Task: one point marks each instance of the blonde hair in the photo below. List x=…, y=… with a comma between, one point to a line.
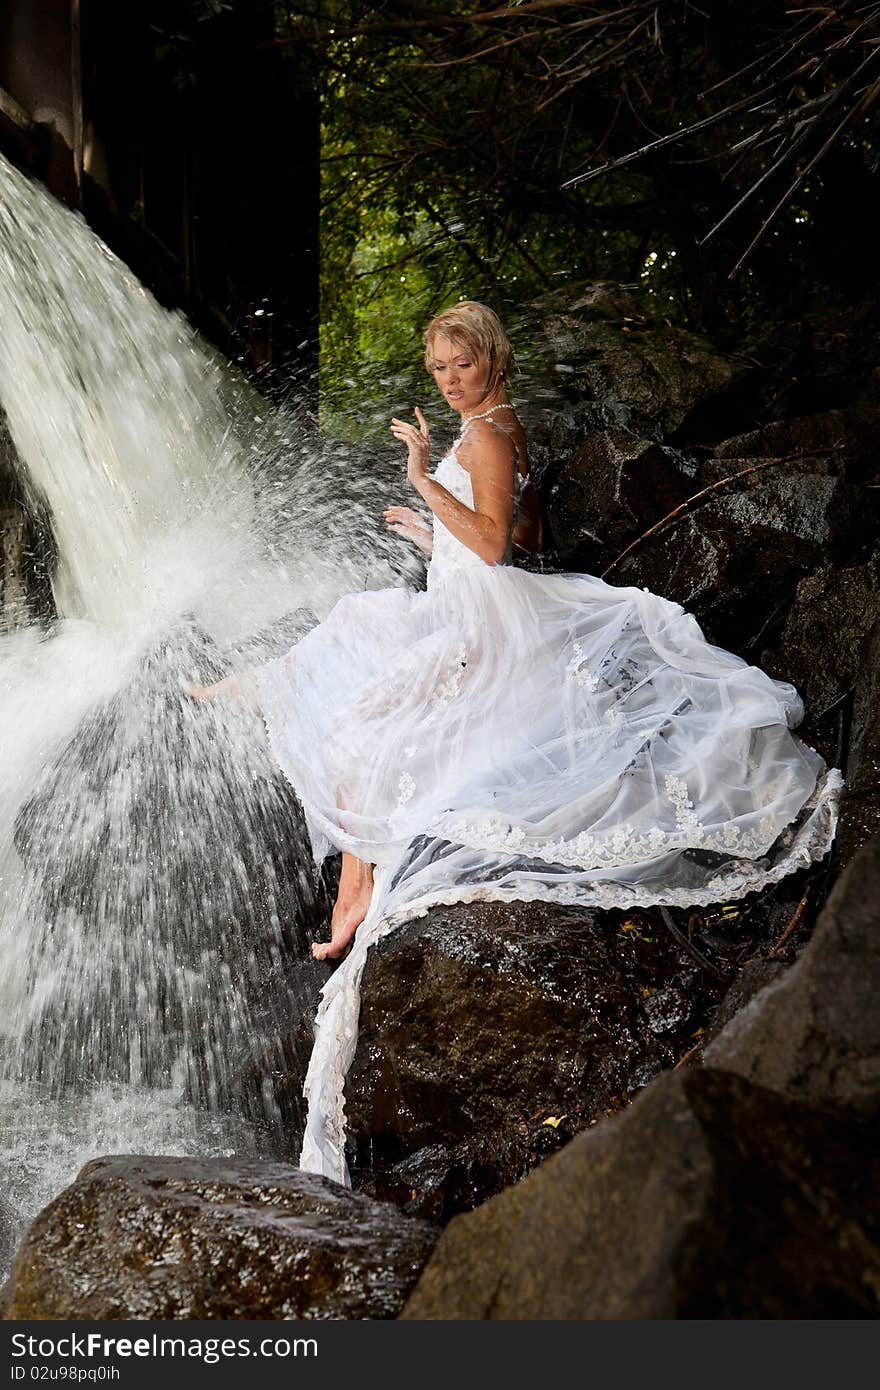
x=476, y=328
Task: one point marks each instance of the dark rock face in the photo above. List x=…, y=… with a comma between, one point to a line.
x=708, y=1198
x=754, y=976
x=26, y=546
x=860, y=806
x=745, y=1189
x=627, y=442
x=486, y=1021
x=838, y=441
x=741, y=553
x=606, y=487
x=821, y=646
x=160, y=1238
x=645, y=377
x=814, y=1034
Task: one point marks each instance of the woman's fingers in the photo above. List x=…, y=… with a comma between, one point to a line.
x=422, y=431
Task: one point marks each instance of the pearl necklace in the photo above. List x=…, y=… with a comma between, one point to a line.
x=505, y=405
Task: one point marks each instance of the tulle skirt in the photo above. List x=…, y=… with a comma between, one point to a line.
x=516, y=735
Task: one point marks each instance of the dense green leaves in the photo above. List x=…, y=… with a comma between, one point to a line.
x=455, y=136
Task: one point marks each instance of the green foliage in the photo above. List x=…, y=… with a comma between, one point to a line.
x=454, y=135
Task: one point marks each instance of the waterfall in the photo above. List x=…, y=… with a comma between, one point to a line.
x=156, y=890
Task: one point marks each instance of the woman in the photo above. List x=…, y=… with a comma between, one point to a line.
x=512, y=735
x=549, y=733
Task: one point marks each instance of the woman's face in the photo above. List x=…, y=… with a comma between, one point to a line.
x=462, y=377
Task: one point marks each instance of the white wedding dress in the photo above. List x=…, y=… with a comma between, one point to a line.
x=513, y=735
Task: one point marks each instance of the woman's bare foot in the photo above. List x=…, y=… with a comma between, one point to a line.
x=206, y=693
x=352, y=905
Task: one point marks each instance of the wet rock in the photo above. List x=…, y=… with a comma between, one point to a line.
x=754, y=976
x=10, y=1231
x=648, y=377
x=842, y=442
x=736, y=559
x=821, y=646
x=159, y=1238
x=708, y=1198
x=441, y=1179
x=601, y=300
x=265, y=1067
x=27, y=551
x=483, y=1021
x=814, y=1034
x=607, y=486
x=860, y=804
x=13, y=568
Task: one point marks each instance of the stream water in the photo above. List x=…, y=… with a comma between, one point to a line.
x=153, y=877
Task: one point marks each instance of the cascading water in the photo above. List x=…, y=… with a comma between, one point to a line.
x=155, y=888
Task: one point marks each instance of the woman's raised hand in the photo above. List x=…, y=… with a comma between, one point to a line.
x=409, y=524
x=417, y=441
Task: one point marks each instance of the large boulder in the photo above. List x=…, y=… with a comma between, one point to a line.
x=159, y=1238
x=821, y=646
x=605, y=486
x=647, y=376
x=708, y=1198
x=814, y=1034
x=490, y=1033
x=746, y=1188
x=860, y=804
x=831, y=441
x=735, y=560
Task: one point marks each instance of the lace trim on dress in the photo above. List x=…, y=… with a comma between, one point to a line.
x=336, y=1025
x=623, y=845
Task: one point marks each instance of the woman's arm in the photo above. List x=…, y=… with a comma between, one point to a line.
x=407, y=523
x=488, y=456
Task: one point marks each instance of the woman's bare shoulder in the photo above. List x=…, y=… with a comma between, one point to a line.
x=486, y=444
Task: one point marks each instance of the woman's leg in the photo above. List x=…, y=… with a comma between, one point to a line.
x=356, y=877
x=350, y=909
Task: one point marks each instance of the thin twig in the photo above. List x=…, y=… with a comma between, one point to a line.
x=692, y=950
x=691, y=501
x=779, y=948
x=788, y=152
x=673, y=135
x=774, y=614
x=689, y=1055
x=859, y=109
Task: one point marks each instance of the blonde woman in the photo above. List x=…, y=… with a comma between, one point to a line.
x=508, y=734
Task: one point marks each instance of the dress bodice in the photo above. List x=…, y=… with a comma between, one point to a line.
x=449, y=553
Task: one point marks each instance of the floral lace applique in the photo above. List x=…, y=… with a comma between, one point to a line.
x=405, y=788
x=450, y=686
x=577, y=668
x=685, y=816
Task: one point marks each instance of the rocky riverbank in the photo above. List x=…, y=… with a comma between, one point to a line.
x=663, y=1114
